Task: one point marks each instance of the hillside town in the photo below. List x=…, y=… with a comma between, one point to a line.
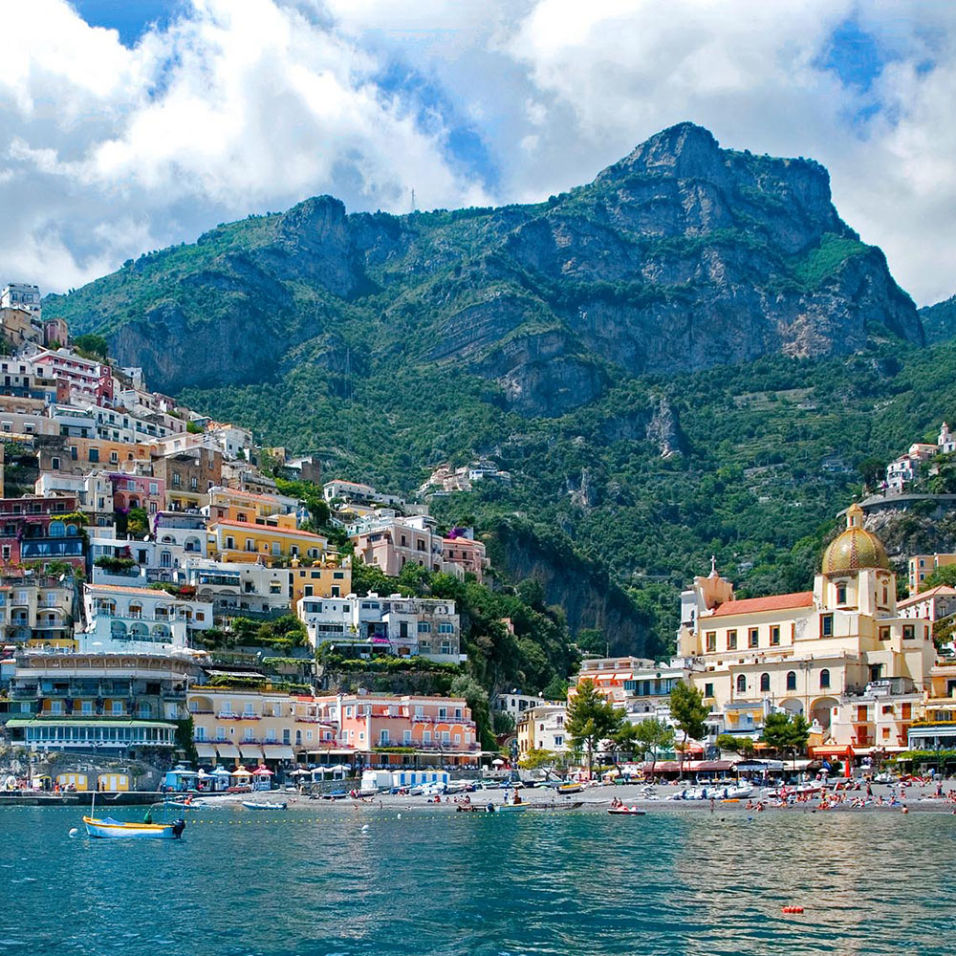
x=136, y=534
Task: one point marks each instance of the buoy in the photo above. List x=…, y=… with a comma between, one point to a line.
x=792, y=909
x=365, y=828
x=399, y=816
x=74, y=831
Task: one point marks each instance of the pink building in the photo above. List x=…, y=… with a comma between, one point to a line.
x=372, y=724
x=138, y=491
x=467, y=553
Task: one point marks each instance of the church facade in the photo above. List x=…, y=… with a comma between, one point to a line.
x=842, y=655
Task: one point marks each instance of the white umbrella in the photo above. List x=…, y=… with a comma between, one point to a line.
x=497, y=762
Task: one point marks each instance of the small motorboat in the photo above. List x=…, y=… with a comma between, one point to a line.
x=108, y=828
x=510, y=807
x=570, y=788
x=253, y=805
x=624, y=811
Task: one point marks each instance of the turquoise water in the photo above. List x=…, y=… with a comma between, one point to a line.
x=313, y=882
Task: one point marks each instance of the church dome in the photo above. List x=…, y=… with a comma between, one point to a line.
x=855, y=548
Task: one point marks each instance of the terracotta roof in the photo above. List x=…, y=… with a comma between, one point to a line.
x=775, y=602
x=941, y=590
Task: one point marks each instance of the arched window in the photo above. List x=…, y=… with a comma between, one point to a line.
x=764, y=683
x=824, y=679
x=57, y=529
x=791, y=680
x=741, y=683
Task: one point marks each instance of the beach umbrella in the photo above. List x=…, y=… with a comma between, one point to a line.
x=262, y=772
x=240, y=772
x=497, y=762
x=221, y=772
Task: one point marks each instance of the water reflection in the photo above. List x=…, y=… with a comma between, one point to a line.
x=333, y=880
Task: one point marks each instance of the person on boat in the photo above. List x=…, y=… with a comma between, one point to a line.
x=517, y=798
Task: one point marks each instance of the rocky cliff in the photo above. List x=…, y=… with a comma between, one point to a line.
x=679, y=257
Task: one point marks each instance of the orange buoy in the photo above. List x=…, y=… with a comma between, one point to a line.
x=792, y=909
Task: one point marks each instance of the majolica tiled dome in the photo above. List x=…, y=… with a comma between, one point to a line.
x=855, y=548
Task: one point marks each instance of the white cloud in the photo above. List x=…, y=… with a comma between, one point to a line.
x=242, y=107
x=234, y=108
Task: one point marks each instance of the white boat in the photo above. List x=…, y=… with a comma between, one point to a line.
x=627, y=811
x=252, y=805
x=108, y=828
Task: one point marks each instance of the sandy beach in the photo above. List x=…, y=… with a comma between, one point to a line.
x=917, y=797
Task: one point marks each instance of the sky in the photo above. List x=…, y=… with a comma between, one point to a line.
x=130, y=125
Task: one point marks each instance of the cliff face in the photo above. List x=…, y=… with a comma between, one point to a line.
x=679, y=257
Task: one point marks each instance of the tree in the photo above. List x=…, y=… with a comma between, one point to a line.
x=591, y=718
x=653, y=736
x=689, y=713
x=944, y=575
x=95, y=346
x=786, y=733
x=556, y=689
x=536, y=759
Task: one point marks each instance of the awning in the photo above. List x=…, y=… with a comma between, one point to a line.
x=227, y=750
x=205, y=751
x=250, y=751
x=278, y=752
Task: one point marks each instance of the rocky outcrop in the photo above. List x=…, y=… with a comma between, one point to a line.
x=939, y=321
x=582, y=589
x=680, y=257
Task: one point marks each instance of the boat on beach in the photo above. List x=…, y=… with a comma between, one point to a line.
x=570, y=788
x=254, y=805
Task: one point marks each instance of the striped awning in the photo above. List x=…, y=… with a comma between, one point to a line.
x=250, y=751
x=227, y=750
x=205, y=751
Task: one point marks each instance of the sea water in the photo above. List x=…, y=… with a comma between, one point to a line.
x=340, y=880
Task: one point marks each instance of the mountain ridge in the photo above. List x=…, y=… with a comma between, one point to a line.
x=678, y=257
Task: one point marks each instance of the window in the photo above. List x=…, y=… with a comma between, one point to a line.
x=884, y=633
x=764, y=683
x=791, y=680
x=55, y=464
x=708, y=690
x=909, y=632
x=731, y=640
x=753, y=637
x=424, y=627
x=841, y=594
x=826, y=625
x=741, y=683
x=775, y=636
x=94, y=454
x=824, y=679
x=711, y=641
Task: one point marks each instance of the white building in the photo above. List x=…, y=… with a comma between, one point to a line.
x=140, y=619
x=20, y=295
x=405, y=626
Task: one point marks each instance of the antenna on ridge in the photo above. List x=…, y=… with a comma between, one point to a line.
x=413, y=199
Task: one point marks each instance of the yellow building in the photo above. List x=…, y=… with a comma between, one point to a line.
x=272, y=542
x=320, y=579
x=839, y=654
x=231, y=504
x=251, y=726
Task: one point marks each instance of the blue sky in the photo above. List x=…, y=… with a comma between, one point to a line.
x=128, y=126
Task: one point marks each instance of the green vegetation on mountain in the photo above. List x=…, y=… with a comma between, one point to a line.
x=691, y=355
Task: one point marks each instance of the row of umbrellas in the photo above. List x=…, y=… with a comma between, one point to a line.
x=238, y=772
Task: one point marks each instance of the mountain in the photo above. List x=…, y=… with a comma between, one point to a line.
x=689, y=356
x=939, y=321
x=680, y=257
